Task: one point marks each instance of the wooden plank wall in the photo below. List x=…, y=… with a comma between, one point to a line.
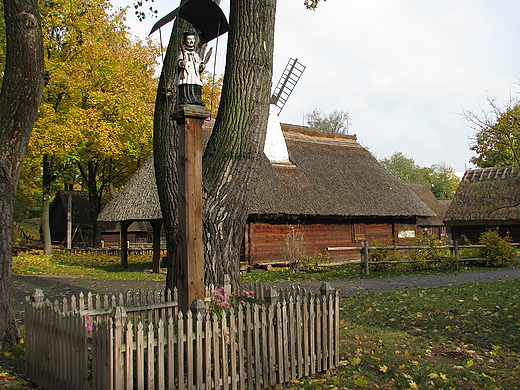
x=264, y=240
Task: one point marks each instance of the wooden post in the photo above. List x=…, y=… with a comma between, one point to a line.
x=156, y=225
x=456, y=253
x=123, y=243
x=190, y=280
x=69, y=220
x=364, y=258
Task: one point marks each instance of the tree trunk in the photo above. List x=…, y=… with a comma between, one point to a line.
x=231, y=159
x=46, y=204
x=165, y=138
x=94, y=197
x=22, y=86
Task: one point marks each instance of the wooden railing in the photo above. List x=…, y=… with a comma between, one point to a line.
x=276, y=338
x=365, y=249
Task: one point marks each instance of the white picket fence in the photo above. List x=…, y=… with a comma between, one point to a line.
x=115, y=344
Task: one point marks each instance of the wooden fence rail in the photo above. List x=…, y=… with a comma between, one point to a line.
x=93, y=342
x=365, y=249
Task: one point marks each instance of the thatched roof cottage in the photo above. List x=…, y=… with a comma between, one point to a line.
x=326, y=186
x=486, y=198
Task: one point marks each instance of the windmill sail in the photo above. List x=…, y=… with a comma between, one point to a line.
x=290, y=76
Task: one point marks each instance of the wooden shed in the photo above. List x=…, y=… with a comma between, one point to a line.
x=138, y=201
x=69, y=217
x=328, y=185
x=334, y=191
x=434, y=225
x=487, y=198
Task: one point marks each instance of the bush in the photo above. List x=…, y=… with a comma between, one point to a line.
x=498, y=249
x=311, y=264
x=293, y=247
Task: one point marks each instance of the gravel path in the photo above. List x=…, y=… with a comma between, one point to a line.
x=55, y=286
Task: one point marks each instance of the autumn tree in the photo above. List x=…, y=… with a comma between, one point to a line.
x=337, y=121
x=94, y=124
x=439, y=178
x=211, y=91
x=22, y=83
x=497, y=138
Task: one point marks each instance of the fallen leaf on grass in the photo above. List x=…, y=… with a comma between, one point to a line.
x=354, y=360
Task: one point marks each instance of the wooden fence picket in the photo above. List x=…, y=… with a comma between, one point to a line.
x=136, y=343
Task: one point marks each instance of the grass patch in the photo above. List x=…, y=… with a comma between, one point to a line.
x=90, y=266
x=354, y=271
x=460, y=337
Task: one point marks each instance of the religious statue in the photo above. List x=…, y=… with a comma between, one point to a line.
x=190, y=67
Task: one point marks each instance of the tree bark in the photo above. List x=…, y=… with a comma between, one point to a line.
x=231, y=159
x=232, y=154
x=20, y=95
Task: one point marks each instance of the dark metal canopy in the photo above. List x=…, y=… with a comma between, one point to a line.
x=205, y=15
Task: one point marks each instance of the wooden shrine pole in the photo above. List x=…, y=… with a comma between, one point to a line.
x=190, y=281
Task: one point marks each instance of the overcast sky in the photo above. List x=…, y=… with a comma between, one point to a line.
x=404, y=69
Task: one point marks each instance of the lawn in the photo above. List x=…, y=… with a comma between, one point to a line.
x=456, y=337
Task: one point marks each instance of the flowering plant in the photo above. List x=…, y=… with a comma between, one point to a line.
x=222, y=301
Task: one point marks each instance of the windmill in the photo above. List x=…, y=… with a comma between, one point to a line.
x=288, y=80
x=275, y=148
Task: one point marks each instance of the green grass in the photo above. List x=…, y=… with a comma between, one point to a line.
x=86, y=266
x=459, y=337
x=354, y=271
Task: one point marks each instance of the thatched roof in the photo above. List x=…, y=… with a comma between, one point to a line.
x=438, y=206
x=138, y=200
x=330, y=175
x=486, y=196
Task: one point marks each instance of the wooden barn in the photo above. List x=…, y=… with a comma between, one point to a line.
x=487, y=198
x=434, y=225
x=334, y=191
x=328, y=187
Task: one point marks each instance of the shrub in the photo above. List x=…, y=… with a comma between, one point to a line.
x=498, y=249
x=380, y=255
x=311, y=264
x=293, y=247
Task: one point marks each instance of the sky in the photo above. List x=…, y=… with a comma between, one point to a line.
x=405, y=70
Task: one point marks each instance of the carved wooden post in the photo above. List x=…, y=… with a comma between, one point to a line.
x=190, y=279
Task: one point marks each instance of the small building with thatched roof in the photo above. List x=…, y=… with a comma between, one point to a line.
x=325, y=188
x=487, y=198
x=434, y=225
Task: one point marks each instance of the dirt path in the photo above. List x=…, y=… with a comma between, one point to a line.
x=55, y=286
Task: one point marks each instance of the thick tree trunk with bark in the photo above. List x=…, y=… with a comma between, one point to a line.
x=22, y=86
x=231, y=157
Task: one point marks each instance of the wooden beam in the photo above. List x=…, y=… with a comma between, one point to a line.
x=190, y=280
